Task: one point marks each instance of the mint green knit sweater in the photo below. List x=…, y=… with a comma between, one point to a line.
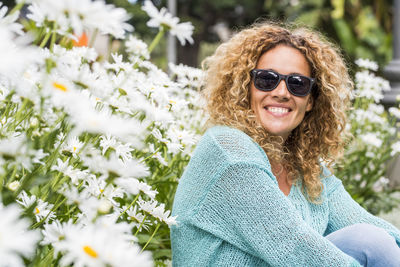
x=231, y=211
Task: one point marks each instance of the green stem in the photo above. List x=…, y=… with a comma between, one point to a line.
x=14, y=172
x=45, y=39
x=9, y=105
x=17, y=7
x=156, y=40
x=19, y=112
x=150, y=156
x=93, y=38
x=141, y=224
x=155, y=231
x=53, y=36
x=130, y=205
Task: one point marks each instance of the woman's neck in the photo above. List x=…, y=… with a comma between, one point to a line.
x=280, y=172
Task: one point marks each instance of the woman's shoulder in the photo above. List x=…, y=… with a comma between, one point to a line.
x=234, y=144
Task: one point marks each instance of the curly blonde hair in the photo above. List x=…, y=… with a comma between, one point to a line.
x=321, y=134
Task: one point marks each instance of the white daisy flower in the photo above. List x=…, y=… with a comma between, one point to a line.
x=15, y=238
x=42, y=209
x=146, y=189
x=147, y=206
x=74, y=197
x=183, y=31
x=55, y=232
x=38, y=155
x=187, y=76
x=171, y=220
x=129, y=185
x=107, y=142
x=13, y=145
x=124, y=151
x=157, y=155
x=10, y=20
x=93, y=206
x=73, y=145
x=137, y=47
x=81, y=15
x=137, y=219
x=133, y=186
x=15, y=55
x=100, y=245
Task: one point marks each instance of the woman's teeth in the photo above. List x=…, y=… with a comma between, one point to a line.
x=278, y=110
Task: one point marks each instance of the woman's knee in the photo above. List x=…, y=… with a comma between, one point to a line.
x=369, y=244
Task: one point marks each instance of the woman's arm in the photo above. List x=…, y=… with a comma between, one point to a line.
x=245, y=208
x=344, y=211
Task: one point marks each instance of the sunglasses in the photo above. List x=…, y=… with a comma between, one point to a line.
x=268, y=80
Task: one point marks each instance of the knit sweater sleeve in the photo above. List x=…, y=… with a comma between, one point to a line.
x=344, y=211
x=245, y=208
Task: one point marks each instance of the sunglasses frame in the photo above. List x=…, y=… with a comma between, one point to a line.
x=254, y=73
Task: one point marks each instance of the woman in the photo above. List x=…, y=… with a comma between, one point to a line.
x=256, y=191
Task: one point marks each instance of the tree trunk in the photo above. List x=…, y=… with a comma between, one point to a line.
x=188, y=54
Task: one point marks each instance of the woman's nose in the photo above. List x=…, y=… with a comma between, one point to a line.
x=281, y=90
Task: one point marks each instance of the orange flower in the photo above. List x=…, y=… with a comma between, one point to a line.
x=82, y=40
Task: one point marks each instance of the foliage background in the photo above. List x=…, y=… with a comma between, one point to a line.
x=362, y=28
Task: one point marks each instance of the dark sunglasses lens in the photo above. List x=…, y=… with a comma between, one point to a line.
x=266, y=80
x=299, y=85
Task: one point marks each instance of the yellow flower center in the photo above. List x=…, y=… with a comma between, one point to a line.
x=75, y=148
x=91, y=252
x=37, y=210
x=60, y=87
x=172, y=102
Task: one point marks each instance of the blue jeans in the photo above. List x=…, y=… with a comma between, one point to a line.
x=368, y=244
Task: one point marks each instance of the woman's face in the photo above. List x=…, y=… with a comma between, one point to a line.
x=278, y=111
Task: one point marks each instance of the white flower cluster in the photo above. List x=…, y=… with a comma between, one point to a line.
x=370, y=86
x=87, y=147
x=375, y=139
x=367, y=64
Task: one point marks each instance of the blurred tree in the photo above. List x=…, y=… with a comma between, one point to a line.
x=361, y=27
x=207, y=14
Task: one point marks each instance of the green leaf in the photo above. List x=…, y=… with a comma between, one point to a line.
x=338, y=9
x=345, y=34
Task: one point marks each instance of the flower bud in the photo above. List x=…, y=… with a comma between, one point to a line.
x=13, y=185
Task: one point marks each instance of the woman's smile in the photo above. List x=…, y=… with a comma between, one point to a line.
x=278, y=110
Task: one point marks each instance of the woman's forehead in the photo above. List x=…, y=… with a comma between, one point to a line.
x=285, y=60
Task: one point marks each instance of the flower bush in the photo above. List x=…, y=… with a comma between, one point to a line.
x=374, y=142
x=91, y=150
